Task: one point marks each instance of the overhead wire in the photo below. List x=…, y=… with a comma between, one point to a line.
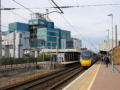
x=95, y=5
x=76, y=6
x=18, y=15
x=23, y=6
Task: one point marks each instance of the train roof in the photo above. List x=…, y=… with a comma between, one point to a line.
x=88, y=51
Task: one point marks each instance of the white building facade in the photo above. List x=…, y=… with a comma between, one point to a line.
x=15, y=43
x=77, y=44
x=63, y=43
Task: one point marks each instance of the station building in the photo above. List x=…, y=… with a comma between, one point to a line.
x=106, y=46
x=63, y=54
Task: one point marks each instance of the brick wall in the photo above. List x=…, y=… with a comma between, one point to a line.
x=116, y=55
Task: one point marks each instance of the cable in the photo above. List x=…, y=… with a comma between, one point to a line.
x=17, y=15
x=23, y=6
x=77, y=6
x=28, y=8
x=57, y=7
x=96, y=5
x=52, y=5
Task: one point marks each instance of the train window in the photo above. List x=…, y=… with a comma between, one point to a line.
x=86, y=55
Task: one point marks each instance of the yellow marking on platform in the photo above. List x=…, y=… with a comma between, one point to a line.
x=89, y=87
x=83, y=82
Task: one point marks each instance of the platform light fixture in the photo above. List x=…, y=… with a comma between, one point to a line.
x=111, y=15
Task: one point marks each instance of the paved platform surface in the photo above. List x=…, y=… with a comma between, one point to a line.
x=106, y=79
x=97, y=77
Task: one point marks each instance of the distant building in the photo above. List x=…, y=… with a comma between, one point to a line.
x=64, y=54
x=106, y=45
x=66, y=41
x=77, y=44
x=63, y=43
x=21, y=43
x=43, y=33
x=49, y=37
x=18, y=26
x=69, y=44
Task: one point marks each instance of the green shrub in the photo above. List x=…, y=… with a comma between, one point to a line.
x=11, y=61
x=45, y=56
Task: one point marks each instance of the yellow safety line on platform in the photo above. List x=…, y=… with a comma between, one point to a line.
x=76, y=79
x=89, y=87
x=86, y=79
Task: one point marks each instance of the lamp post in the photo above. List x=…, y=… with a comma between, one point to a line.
x=112, y=42
x=108, y=42
x=43, y=50
x=0, y=37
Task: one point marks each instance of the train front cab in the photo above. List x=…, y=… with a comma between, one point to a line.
x=86, y=63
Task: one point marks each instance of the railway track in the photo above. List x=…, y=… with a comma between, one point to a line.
x=49, y=82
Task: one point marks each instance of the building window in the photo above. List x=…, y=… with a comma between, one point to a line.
x=35, y=22
x=20, y=35
x=11, y=46
x=30, y=23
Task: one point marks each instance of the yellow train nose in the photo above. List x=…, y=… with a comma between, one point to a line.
x=86, y=63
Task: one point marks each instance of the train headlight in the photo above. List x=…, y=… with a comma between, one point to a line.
x=81, y=59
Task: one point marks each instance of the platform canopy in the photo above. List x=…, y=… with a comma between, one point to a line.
x=60, y=50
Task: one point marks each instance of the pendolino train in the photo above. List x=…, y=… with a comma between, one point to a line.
x=87, y=58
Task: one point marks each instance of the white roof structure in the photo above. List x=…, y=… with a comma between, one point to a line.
x=107, y=45
x=60, y=50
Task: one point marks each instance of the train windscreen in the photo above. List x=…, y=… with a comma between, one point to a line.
x=86, y=55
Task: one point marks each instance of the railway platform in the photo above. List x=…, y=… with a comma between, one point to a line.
x=97, y=77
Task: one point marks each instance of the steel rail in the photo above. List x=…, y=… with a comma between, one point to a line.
x=41, y=80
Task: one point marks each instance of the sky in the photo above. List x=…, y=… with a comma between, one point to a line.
x=86, y=23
